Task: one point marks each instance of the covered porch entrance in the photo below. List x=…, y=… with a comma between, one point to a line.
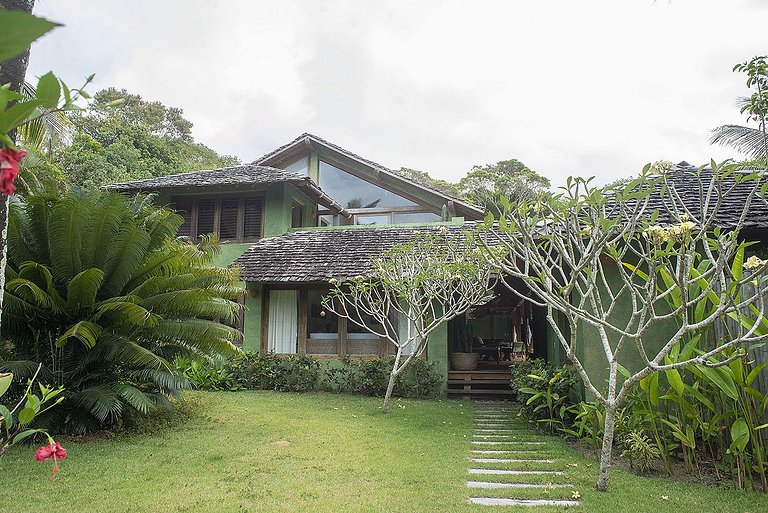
x=505, y=331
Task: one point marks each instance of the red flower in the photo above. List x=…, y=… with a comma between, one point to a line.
x=53, y=450
x=9, y=169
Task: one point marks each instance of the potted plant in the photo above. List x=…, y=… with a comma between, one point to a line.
x=466, y=360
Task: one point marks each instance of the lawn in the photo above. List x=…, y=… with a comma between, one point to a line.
x=284, y=452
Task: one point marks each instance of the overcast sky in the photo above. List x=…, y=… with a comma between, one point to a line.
x=589, y=87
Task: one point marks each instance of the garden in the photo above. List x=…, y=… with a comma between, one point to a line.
x=120, y=365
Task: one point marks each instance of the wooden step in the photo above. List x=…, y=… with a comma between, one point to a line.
x=479, y=375
x=478, y=382
x=481, y=392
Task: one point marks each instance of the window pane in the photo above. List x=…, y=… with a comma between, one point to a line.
x=300, y=166
x=228, y=222
x=184, y=208
x=252, y=221
x=205, y=213
x=321, y=324
x=297, y=216
x=373, y=219
x=354, y=192
x=416, y=217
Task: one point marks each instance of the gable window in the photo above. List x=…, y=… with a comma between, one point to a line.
x=354, y=192
x=231, y=217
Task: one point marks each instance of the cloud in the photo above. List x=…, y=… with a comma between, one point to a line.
x=566, y=87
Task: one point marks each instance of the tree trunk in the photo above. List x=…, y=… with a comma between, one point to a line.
x=392, y=379
x=605, y=452
x=12, y=72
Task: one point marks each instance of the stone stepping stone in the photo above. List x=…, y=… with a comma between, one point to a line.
x=498, y=472
x=491, y=484
x=489, y=435
x=509, y=460
x=497, y=501
x=505, y=442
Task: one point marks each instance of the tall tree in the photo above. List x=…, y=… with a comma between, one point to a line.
x=511, y=179
x=12, y=71
x=135, y=140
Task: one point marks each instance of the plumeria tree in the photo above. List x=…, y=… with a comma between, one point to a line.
x=663, y=253
x=622, y=264
x=412, y=289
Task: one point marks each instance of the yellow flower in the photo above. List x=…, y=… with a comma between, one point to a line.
x=753, y=263
x=575, y=495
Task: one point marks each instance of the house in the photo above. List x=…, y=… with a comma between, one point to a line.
x=311, y=211
x=308, y=212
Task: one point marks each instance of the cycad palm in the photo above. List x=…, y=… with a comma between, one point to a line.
x=99, y=290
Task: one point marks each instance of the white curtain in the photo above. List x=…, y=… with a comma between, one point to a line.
x=282, y=322
x=402, y=333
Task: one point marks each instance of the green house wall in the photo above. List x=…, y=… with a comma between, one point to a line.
x=589, y=348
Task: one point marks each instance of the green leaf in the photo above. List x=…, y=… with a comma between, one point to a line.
x=673, y=376
x=20, y=29
x=17, y=114
x=85, y=331
x=721, y=377
x=48, y=91
x=5, y=413
x=739, y=434
x=6, y=379
x=26, y=434
x=26, y=415
x=750, y=377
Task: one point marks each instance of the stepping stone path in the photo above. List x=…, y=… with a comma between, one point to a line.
x=509, y=458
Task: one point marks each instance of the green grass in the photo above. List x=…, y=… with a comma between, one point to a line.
x=281, y=452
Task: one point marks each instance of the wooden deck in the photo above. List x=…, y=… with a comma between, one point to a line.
x=481, y=383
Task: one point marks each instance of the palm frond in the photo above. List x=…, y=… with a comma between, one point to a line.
x=65, y=234
x=746, y=140
x=125, y=255
x=101, y=401
x=86, y=332
x=83, y=288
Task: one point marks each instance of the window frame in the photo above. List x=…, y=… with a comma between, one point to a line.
x=194, y=199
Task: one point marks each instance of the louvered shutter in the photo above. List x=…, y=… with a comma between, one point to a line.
x=228, y=219
x=184, y=208
x=206, y=209
x=252, y=218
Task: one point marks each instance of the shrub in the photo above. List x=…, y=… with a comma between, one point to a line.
x=548, y=392
x=267, y=371
x=370, y=377
x=207, y=374
x=102, y=294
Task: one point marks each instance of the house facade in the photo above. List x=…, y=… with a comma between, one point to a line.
x=309, y=212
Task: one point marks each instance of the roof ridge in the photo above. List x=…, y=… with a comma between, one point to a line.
x=371, y=163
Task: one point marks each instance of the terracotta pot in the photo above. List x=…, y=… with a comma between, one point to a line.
x=464, y=361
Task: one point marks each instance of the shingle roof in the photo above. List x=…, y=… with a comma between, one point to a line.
x=683, y=181
x=307, y=138
x=247, y=174
x=319, y=255
x=236, y=175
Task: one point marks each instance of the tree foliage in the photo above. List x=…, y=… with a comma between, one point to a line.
x=748, y=140
x=137, y=139
x=511, y=179
x=619, y=270
x=413, y=289
x=101, y=293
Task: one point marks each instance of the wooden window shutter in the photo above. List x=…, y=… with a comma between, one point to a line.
x=206, y=212
x=252, y=218
x=184, y=208
x=228, y=220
